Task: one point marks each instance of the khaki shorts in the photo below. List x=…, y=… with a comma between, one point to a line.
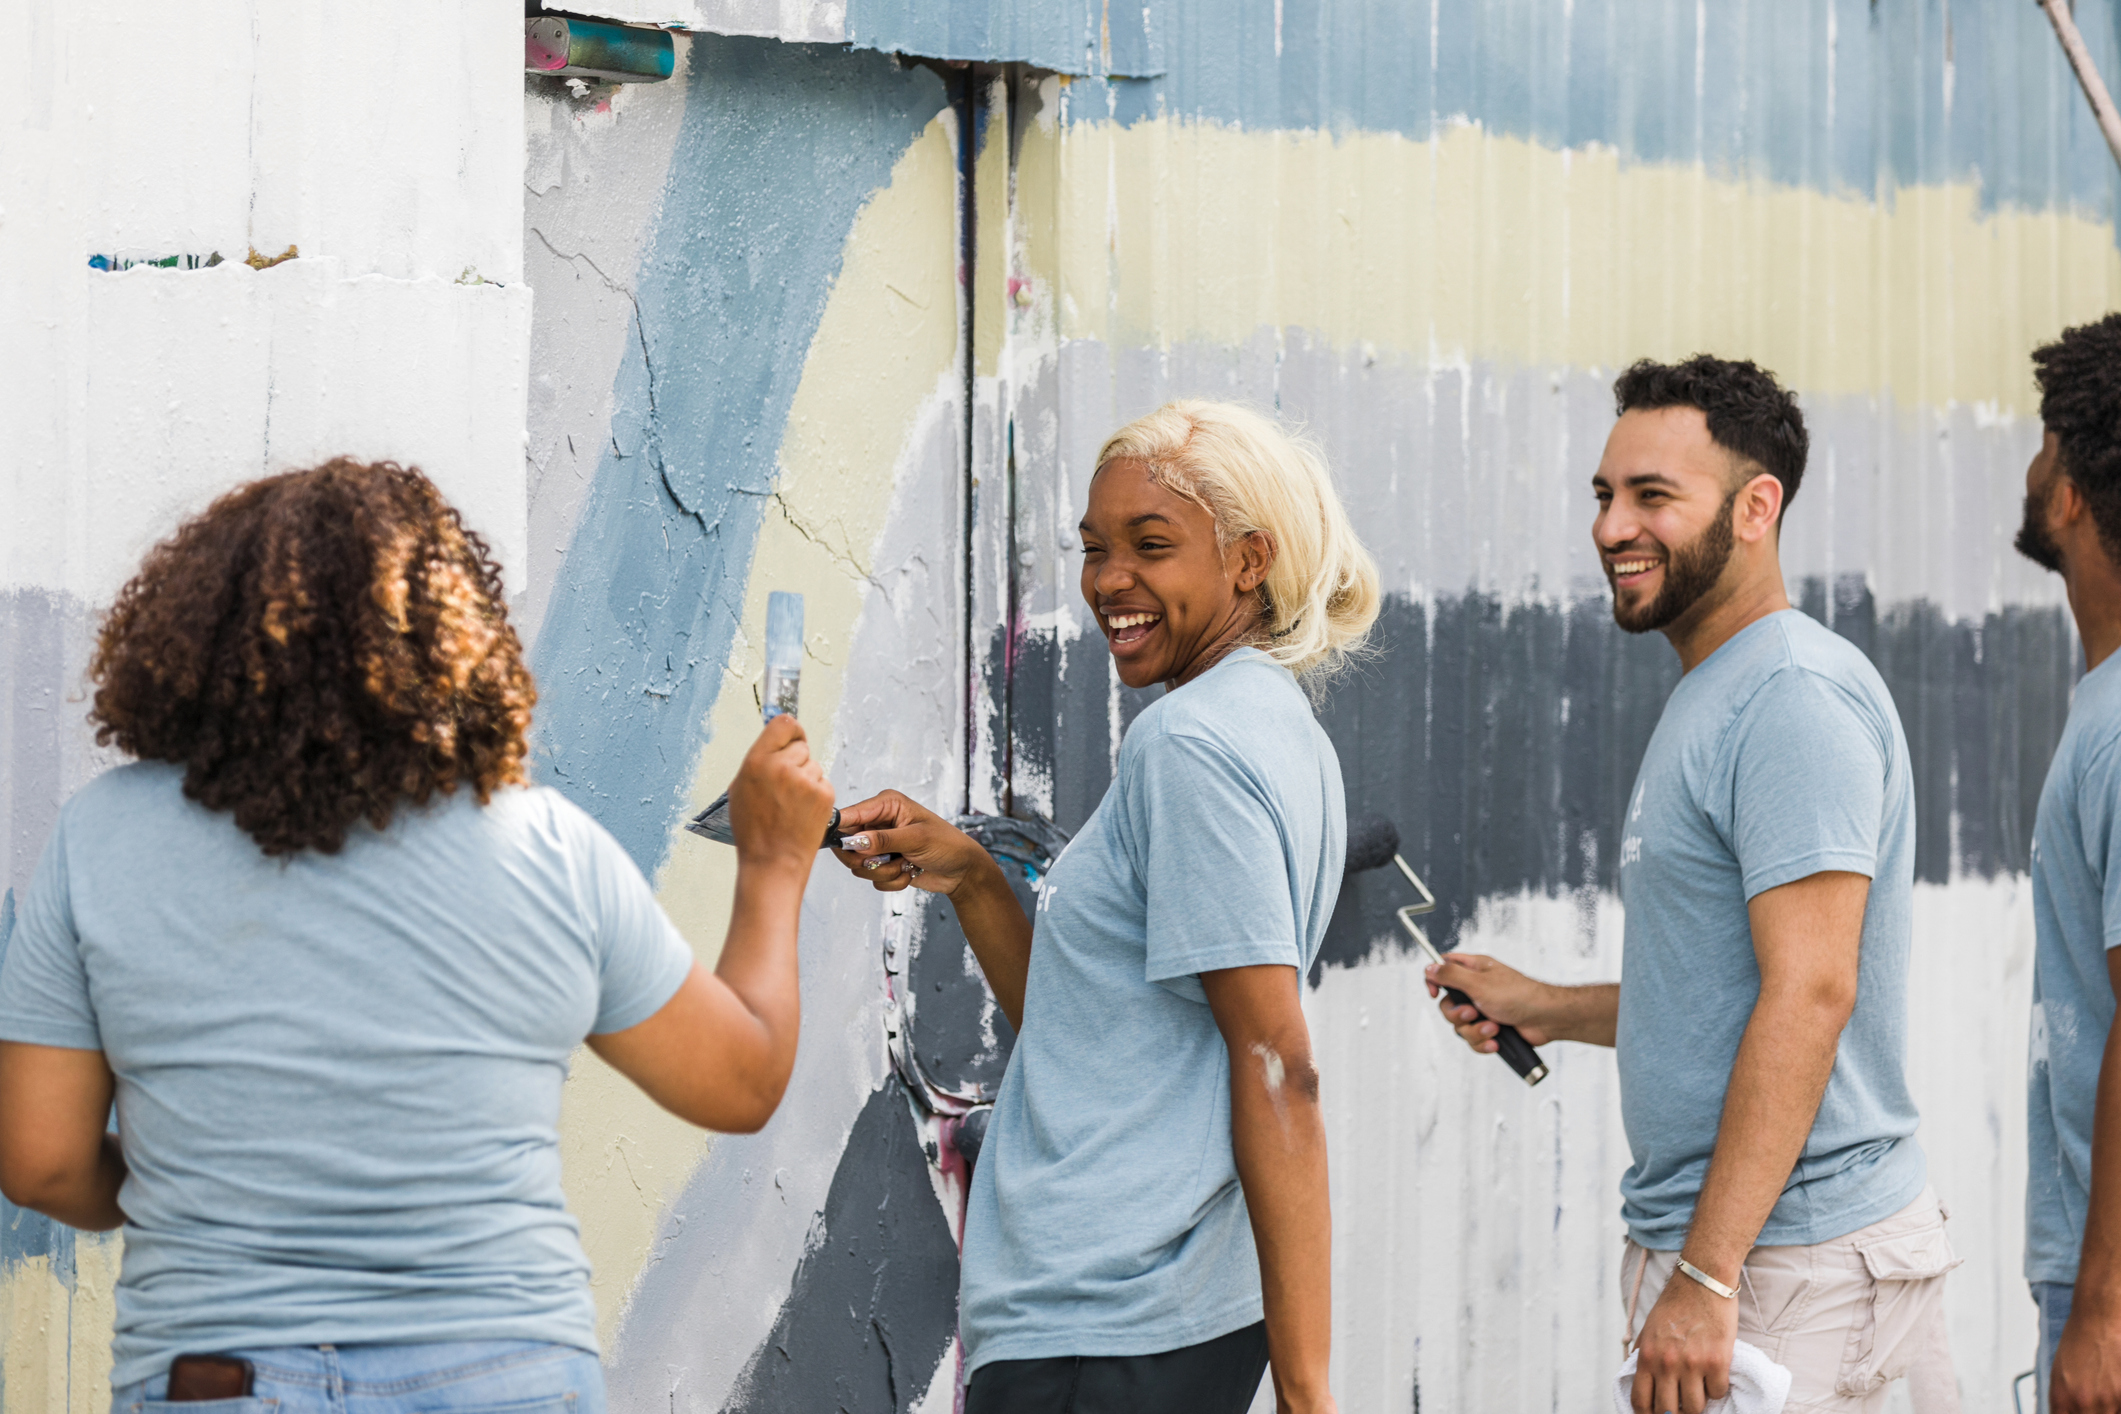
x=1846, y=1317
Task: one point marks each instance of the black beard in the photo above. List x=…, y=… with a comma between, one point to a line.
x=1689, y=572
x=2033, y=541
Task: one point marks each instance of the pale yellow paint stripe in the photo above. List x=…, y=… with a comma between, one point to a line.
x=33, y=1312
x=55, y=1342
x=885, y=344
x=991, y=268
x=97, y=1257
x=1479, y=246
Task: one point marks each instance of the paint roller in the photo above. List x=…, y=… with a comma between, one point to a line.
x=1373, y=842
x=784, y=680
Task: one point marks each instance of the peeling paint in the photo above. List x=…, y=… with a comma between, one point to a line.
x=781, y=146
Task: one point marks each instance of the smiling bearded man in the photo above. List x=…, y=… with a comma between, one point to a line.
x=1767, y=870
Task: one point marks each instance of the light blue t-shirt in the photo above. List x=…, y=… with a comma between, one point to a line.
x=1106, y=1217
x=2076, y=918
x=338, y=1075
x=1778, y=758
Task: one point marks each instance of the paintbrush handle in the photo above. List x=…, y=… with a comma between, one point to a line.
x=1511, y=1045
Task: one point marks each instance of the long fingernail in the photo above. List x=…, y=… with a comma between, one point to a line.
x=855, y=842
x=873, y=863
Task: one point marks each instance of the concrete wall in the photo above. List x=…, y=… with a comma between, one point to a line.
x=811, y=316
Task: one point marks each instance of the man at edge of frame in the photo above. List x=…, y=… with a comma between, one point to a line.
x=2073, y=1130
x=1777, y=1194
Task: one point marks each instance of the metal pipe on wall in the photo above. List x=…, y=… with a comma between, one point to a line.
x=2080, y=61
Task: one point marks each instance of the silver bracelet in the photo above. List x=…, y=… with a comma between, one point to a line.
x=1728, y=1293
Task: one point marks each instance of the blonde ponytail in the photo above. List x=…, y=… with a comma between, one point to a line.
x=1320, y=596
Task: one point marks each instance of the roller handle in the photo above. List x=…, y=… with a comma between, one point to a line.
x=1512, y=1046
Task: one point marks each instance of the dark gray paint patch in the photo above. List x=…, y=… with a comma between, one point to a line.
x=961, y=1038
x=1060, y=691
x=1504, y=742
x=1503, y=739
x=1982, y=704
x=873, y=1304
x=952, y=1006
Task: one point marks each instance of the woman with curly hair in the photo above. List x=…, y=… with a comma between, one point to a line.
x=1149, y=1217
x=331, y=953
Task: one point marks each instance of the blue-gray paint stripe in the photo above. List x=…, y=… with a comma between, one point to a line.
x=780, y=147
x=1067, y=36
x=1848, y=97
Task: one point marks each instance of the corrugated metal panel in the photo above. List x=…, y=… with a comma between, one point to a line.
x=1430, y=232
x=1431, y=235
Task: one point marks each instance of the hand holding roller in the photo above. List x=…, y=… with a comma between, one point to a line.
x=1373, y=842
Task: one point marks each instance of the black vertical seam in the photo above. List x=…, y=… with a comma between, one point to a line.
x=1010, y=605
x=965, y=99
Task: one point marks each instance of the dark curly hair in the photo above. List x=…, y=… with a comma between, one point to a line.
x=1750, y=415
x=314, y=649
x=2080, y=402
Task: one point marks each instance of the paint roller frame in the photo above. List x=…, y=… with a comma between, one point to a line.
x=1510, y=1043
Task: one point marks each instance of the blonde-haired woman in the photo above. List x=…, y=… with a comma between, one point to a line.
x=1149, y=1216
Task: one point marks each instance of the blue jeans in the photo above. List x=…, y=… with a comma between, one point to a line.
x=441, y=1377
x=2052, y=1297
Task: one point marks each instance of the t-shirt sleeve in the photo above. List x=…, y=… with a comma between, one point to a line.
x=642, y=959
x=1214, y=867
x=1807, y=786
x=44, y=997
x=2099, y=815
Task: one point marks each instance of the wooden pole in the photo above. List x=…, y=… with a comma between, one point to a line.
x=2080, y=60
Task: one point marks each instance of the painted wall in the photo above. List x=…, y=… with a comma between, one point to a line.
x=388, y=154
x=1431, y=237
x=811, y=316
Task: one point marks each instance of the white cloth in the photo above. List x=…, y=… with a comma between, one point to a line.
x=1758, y=1385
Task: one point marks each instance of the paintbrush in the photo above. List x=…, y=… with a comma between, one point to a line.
x=1373, y=842
x=784, y=680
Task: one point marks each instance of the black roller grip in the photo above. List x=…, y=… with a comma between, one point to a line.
x=1510, y=1045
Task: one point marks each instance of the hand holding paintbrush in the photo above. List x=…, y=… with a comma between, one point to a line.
x=778, y=698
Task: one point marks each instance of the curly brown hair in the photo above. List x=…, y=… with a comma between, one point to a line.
x=315, y=648
x=2080, y=402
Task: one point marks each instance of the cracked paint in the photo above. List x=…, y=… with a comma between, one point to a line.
x=781, y=145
